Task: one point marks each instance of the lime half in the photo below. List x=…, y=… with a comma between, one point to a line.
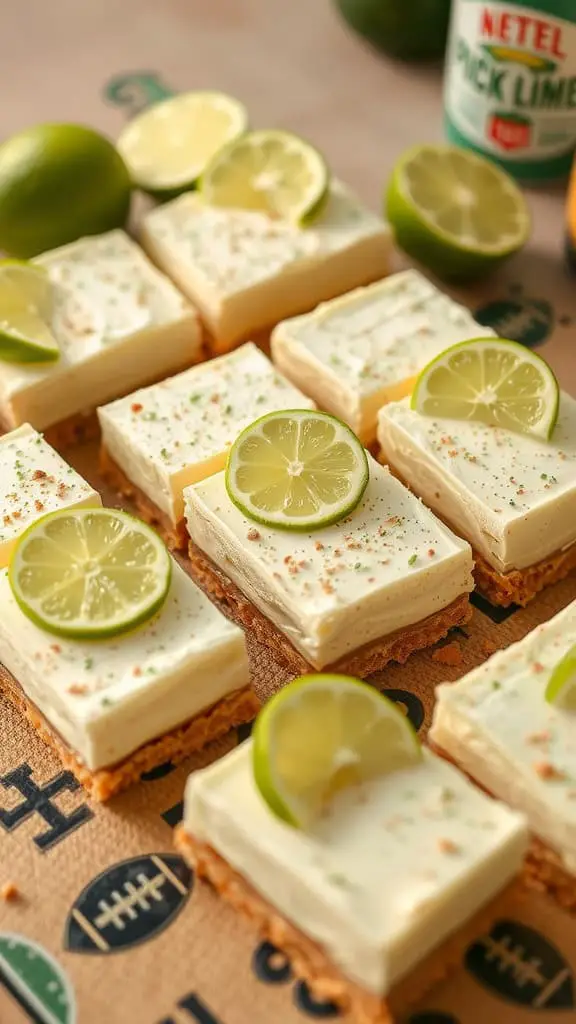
x=561, y=689
x=25, y=313
x=455, y=212
x=168, y=147
x=320, y=734
x=297, y=470
x=271, y=171
x=491, y=380
x=89, y=573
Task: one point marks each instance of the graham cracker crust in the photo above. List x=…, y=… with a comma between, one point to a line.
x=545, y=872
x=519, y=586
x=363, y=662
x=235, y=709
x=309, y=960
x=174, y=535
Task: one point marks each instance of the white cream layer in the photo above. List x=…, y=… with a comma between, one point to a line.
x=177, y=432
x=357, y=352
x=106, y=698
x=496, y=723
x=511, y=495
x=397, y=866
x=118, y=322
x=246, y=271
x=389, y=564
x=34, y=480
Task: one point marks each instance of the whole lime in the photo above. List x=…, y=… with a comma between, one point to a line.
x=59, y=182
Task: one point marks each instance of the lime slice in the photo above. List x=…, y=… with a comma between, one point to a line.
x=89, y=573
x=274, y=172
x=455, y=212
x=167, y=147
x=561, y=687
x=493, y=381
x=297, y=470
x=322, y=733
x=25, y=311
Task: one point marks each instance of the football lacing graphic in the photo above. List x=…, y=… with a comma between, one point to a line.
x=125, y=904
x=515, y=324
x=512, y=957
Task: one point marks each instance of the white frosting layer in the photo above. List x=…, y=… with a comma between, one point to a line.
x=34, y=480
x=177, y=432
x=511, y=495
x=496, y=723
x=246, y=271
x=118, y=322
x=389, y=564
x=355, y=353
x=108, y=697
x=387, y=875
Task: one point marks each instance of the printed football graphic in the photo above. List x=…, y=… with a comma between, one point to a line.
x=35, y=981
x=129, y=903
x=520, y=965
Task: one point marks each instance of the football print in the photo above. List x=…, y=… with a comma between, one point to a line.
x=521, y=965
x=128, y=903
x=35, y=981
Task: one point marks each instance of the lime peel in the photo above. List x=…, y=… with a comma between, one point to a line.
x=323, y=733
x=297, y=469
x=26, y=302
x=561, y=688
x=89, y=573
x=493, y=381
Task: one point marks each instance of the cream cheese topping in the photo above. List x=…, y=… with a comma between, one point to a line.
x=118, y=322
x=355, y=353
x=177, y=432
x=108, y=697
x=227, y=259
x=511, y=495
x=34, y=480
x=395, y=867
x=389, y=564
x=497, y=724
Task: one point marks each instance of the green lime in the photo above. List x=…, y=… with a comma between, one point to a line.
x=271, y=171
x=25, y=311
x=89, y=573
x=320, y=734
x=455, y=212
x=59, y=182
x=493, y=381
x=167, y=147
x=561, y=689
x=297, y=470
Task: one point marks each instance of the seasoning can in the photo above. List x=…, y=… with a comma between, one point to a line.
x=571, y=222
x=510, y=84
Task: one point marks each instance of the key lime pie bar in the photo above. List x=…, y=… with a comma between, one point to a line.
x=510, y=493
x=118, y=323
x=511, y=725
x=357, y=352
x=328, y=559
x=246, y=270
x=370, y=862
x=118, y=660
x=169, y=435
x=34, y=480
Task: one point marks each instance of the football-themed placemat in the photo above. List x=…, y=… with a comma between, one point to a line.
x=103, y=923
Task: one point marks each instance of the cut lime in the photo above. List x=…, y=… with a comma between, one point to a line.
x=271, y=171
x=297, y=470
x=89, y=573
x=455, y=212
x=25, y=313
x=168, y=147
x=322, y=733
x=561, y=689
x=493, y=381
